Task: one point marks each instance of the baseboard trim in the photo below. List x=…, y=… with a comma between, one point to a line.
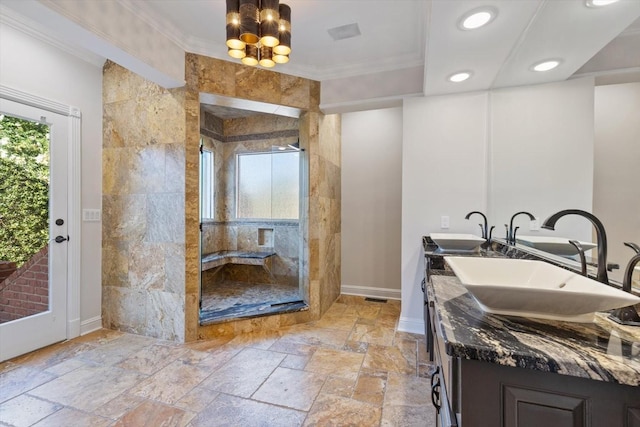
x=73, y=328
x=368, y=291
x=90, y=325
x=414, y=326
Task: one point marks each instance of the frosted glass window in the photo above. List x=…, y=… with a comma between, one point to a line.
x=206, y=184
x=268, y=185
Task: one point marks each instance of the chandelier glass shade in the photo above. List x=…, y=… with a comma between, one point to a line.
x=259, y=32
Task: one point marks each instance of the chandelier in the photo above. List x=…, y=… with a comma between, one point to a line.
x=259, y=31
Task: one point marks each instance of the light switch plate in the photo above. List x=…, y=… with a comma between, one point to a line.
x=444, y=221
x=91, y=215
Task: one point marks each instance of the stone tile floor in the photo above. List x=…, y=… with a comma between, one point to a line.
x=350, y=368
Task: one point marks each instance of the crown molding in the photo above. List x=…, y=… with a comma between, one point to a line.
x=28, y=26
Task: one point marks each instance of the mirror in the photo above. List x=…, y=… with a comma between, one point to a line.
x=569, y=145
x=252, y=187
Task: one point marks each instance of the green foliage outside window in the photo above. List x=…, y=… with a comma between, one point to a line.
x=24, y=188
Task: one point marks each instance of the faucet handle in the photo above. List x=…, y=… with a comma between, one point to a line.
x=583, y=259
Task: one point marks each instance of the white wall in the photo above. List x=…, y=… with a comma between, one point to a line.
x=371, y=202
x=35, y=67
x=616, y=198
x=542, y=155
x=444, y=172
x=524, y=148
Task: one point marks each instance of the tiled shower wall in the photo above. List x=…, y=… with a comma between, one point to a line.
x=243, y=236
x=227, y=138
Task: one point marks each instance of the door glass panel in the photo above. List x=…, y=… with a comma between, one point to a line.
x=268, y=185
x=24, y=218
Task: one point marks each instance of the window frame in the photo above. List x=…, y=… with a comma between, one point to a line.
x=207, y=196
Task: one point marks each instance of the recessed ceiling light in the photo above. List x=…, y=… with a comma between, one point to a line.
x=546, y=65
x=459, y=77
x=477, y=18
x=600, y=3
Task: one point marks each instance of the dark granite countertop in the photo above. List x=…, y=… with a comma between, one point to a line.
x=601, y=350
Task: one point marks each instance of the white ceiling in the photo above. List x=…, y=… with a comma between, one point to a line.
x=405, y=34
x=398, y=34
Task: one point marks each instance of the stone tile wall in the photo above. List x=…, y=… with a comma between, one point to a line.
x=143, y=234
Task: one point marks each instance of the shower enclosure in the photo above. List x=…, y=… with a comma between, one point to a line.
x=252, y=180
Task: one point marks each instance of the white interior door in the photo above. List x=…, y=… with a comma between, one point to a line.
x=43, y=320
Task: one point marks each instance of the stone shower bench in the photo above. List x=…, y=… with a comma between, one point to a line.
x=220, y=258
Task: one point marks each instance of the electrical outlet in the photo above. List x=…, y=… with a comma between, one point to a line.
x=91, y=215
x=534, y=225
x=444, y=221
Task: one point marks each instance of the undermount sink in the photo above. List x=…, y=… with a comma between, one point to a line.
x=527, y=288
x=554, y=245
x=456, y=242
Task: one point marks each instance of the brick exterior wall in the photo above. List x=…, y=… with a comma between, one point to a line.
x=26, y=291
x=6, y=269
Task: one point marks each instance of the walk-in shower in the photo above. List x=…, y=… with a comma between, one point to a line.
x=252, y=187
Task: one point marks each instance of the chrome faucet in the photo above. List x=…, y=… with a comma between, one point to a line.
x=511, y=233
x=601, y=234
x=627, y=315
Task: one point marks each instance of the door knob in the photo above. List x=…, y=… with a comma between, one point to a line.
x=60, y=239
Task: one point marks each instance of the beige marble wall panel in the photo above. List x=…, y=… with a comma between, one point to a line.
x=116, y=163
x=324, y=204
x=285, y=270
x=245, y=274
x=124, y=218
x=258, y=84
x=211, y=75
x=165, y=315
x=124, y=309
x=119, y=84
x=215, y=76
x=259, y=124
x=247, y=238
x=211, y=122
x=115, y=263
x=286, y=241
x=295, y=91
x=146, y=266
x=174, y=261
x=191, y=211
x=144, y=108
x=144, y=207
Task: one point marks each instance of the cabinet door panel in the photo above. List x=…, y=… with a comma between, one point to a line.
x=532, y=408
x=633, y=417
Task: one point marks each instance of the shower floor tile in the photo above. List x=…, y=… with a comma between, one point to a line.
x=230, y=300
